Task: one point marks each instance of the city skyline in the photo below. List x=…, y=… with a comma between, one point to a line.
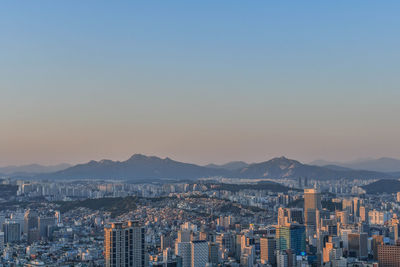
x=209, y=82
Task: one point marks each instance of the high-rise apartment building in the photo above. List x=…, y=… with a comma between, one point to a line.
x=12, y=231
x=124, y=245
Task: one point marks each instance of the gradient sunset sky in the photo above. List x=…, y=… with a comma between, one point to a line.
x=199, y=81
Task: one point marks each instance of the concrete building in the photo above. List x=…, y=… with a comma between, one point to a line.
x=267, y=250
x=312, y=203
x=199, y=253
x=124, y=245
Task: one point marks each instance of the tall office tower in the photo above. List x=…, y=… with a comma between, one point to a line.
x=389, y=255
x=43, y=225
x=364, y=214
x=357, y=245
x=267, y=250
x=213, y=253
x=291, y=236
x=12, y=231
x=356, y=206
x=31, y=220
x=312, y=203
x=398, y=197
x=124, y=245
x=199, y=253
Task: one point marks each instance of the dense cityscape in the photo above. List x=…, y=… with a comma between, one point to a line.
x=208, y=222
x=205, y=133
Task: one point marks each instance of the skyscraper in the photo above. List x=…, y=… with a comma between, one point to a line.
x=124, y=245
x=199, y=253
x=312, y=203
x=184, y=250
x=291, y=236
x=267, y=250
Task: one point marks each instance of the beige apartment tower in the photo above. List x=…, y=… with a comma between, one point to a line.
x=124, y=245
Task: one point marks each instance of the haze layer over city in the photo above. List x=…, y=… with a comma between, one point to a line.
x=194, y=134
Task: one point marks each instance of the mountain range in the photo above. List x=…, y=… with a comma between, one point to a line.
x=388, y=186
x=232, y=166
x=31, y=169
x=141, y=167
x=379, y=165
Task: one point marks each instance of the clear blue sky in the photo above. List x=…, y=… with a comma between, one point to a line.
x=199, y=81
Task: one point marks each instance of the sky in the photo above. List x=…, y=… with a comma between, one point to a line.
x=198, y=81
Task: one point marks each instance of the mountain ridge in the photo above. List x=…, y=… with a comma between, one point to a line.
x=139, y=166
x=32, y=169
x=383, y=164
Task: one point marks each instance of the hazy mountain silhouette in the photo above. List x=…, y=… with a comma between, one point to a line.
x=379, y=165
x=140, y=167
x=287, y=168
x=388, y=186
x=137, y=167
x=31, y=169
x=231, y=166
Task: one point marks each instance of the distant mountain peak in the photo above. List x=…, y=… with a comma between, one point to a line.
x=138, y=157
